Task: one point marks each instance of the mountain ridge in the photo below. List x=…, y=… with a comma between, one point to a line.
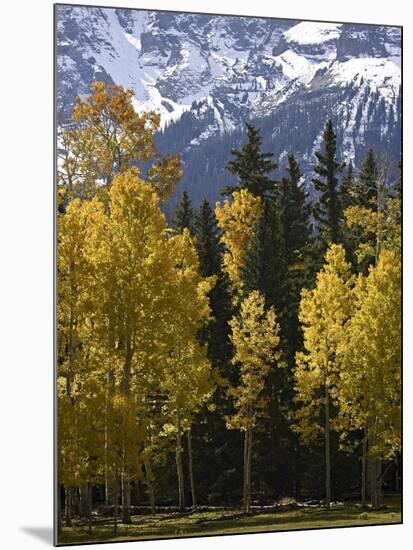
x=206, y=75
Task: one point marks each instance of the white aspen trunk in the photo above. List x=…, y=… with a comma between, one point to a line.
x=179, y=467
x=191, y=470
x=327, y=448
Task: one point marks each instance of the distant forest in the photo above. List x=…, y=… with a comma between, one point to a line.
x=292, y=127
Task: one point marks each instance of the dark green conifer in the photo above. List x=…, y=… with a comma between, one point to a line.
x=183, y=217
x=368, y=183
x=327, y=209
x=347, y=189
x=295, y=212
x=207, y=240
x=251, y=166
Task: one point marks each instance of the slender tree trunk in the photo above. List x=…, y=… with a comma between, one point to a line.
x=364, y=471
x=126, y=517
x=179, y=466
x=108, y=400
x=149, y=481
x=68, y=507
x=373, y=466
x=116, y=498
x=244, y=492
x=90, y=504
x=249, y=462
x=191, y=470
x=327, y=449
x=373, y=483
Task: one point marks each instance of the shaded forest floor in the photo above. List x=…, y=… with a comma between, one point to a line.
x=214, y=522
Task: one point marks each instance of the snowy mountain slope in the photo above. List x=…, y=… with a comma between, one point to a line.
x=206, y=75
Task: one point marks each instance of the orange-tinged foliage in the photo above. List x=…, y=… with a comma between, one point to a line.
x=108, y=137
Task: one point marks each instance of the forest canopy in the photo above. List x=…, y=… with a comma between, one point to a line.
x=243, y=353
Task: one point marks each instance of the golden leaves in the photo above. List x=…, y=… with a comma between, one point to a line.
x=323, y=313
x=108, y=137
x=255, y=338
x=237, y=220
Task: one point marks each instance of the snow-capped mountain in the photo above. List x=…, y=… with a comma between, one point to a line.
x=206, y=75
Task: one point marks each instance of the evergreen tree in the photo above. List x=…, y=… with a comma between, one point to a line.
x=295, y=214
x=347, y=189
x=183, y=217
x=327, y=211
x=368, y=182
x=264, y=268
x=207, y=243
x=251, y=166
x=210, y=251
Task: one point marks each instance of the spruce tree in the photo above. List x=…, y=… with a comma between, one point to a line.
x=351, y=238
x=265, y=266
x=210, y=438
x=251, y=166
x=295, y=214
x=183, y=217
x=347, y=189
x=368, y=182
x=207, y=240
x=327, y=210
x=210, y=251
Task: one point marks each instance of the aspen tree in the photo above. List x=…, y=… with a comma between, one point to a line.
x=323, y=314
x=107, y=137
x=369, y=393
x=255, y=339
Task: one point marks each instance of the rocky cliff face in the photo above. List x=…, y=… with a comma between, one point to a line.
x=207, y=74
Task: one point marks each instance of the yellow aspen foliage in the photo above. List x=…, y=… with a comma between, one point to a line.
x=237, y=220
x=370, y=380
x=256, y=340
x=380, y=229
x=187, y=377
x=107, y=137
x=74, y=229
x=323, y=313
x=132, y=301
